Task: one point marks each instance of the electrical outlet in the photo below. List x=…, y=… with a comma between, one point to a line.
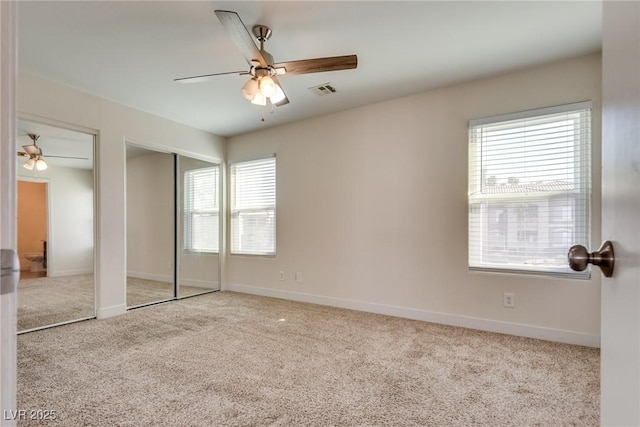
x=281, y=276
x=299, y=277
x=509, y=300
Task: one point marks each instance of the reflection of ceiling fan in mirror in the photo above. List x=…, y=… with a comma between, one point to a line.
x=264, y=73
x=35, y=155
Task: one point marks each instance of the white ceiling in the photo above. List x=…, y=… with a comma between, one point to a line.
x=131, y=51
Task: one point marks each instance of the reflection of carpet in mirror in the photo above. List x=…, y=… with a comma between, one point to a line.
x=144, y=291
x=49, y=300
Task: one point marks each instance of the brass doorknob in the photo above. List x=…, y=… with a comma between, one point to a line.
x=604, y=258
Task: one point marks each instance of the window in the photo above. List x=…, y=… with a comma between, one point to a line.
x=529, y=189
x=253, y=207
x=201, y=210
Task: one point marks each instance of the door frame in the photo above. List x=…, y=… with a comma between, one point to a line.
x=8, y=123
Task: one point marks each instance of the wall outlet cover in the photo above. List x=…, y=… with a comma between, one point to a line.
x=509, y=300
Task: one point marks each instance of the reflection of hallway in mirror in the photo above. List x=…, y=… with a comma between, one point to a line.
x=32, y=228
x=27, y=274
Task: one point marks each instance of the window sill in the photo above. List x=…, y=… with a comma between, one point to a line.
x=556, y=275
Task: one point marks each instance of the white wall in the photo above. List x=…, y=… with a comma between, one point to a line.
x=150, y=217
x=70, y=209
x=372, y=209
x=114, y=124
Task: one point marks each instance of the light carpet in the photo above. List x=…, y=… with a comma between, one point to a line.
x=229, y=359
x=46, y=301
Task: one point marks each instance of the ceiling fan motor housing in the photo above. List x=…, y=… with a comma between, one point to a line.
x=262, y=32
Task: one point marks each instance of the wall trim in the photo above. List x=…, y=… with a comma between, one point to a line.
x=198, y=283
x=150, y=276
x=62, y=273
x=207, y=284
x=518, y=329
x=114, y=310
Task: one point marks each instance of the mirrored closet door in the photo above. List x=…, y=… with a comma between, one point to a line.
x=150, y=226
x=198, y=226
x=55, y=171
x=173, y=226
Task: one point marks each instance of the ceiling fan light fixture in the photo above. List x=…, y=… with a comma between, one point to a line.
x=250, y=89
x=262, y=87
x=40, y=164
x=29, y=164
x=267, y=86
x=259, y=99
x=278, y=96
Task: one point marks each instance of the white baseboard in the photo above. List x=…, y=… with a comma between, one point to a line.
x=150, y=276
x=529, y=331
x=62, y=273
x=206, y=284
x=115, y=310
x=169, y=279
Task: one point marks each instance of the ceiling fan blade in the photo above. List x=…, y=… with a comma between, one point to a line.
x=23, y=154
x=318, y=65
x=31, y=149
x=66, y=157
x=284, y=101
x=205, y=77
x=240, y=36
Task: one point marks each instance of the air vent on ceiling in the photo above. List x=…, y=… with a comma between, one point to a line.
x=323, y=89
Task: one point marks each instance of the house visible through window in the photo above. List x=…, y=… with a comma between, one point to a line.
x=201, y=209
x=253, y=207
x=529, y=189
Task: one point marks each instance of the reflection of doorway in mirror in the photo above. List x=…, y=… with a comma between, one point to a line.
x=32, y=228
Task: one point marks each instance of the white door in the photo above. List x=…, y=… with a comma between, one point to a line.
x=620, y=324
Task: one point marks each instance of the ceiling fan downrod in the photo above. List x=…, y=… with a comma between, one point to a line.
x=262, y=33
x=34, y=137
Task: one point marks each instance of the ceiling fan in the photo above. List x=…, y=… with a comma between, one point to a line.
x=34, y=153
x=264, y=83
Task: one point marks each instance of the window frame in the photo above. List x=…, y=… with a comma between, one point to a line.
x=269, y=210
x=581, y=204
x=189, y=212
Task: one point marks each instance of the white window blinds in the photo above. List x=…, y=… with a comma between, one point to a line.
x=253, y=207
x=201, y=209
x=529, y=189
